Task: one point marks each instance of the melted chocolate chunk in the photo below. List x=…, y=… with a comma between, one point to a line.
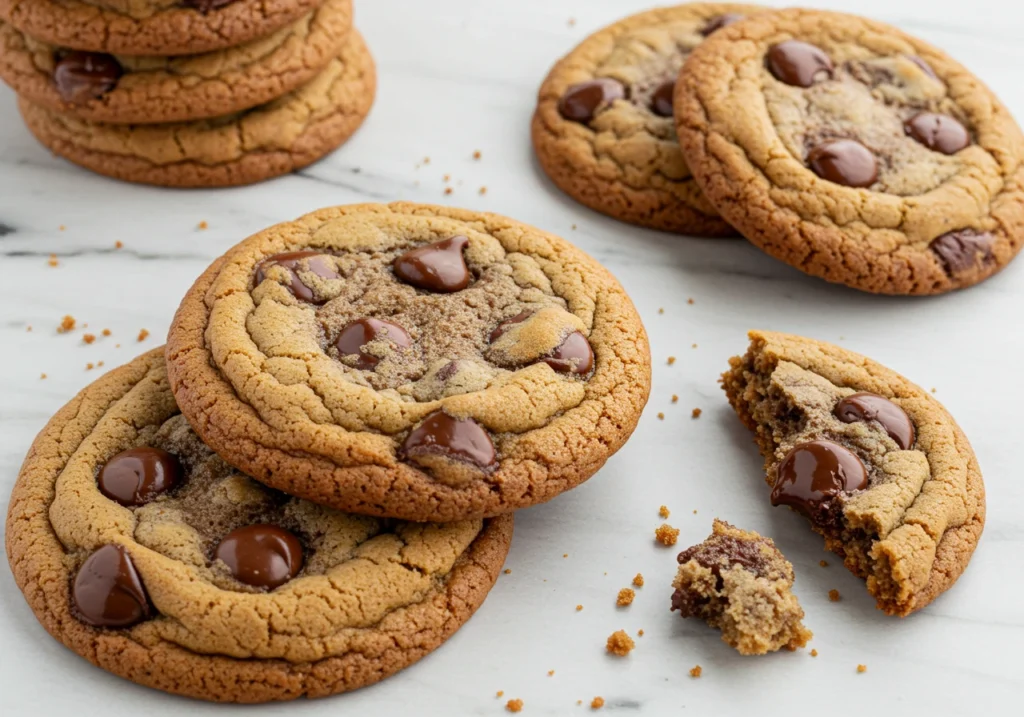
x=83, y=76
x=923, y=65
x=205, y=6
x=661, y=100
x=108, y=591
x=507, y=324
x=457, y=439
x=574, y=355
x=360, y=332
x=582, y=102
x=137, y=476
x=844, y=161
x=717, y=23
x=940, y=133
x=722, y=552
x=870, y=407
x=316, y=263
x=438, y=267
x=263, y=556
x=963, y=250
x=799, y=63
x=814, y=474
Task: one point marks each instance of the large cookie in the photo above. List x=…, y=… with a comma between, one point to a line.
x=876, y=464
x=141, y=550
x=603, y=128
x=266, y=141
x=144, y=90
x=410, y=361
x=151, y=27
x=854, y=152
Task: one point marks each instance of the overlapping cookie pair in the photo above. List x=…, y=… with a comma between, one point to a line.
x=840, y=145
x=232, y=518
x=187, y=93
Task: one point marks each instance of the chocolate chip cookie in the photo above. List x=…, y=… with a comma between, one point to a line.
x=739, y=583
x=141, y=550
x=603, y=128
x=854, y=152
x=876, y=464
x=143, y=90
x=269, y=140
x=151, y=27
x=410, y=361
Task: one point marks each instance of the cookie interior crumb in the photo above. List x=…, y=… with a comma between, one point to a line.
x=625, y=597
x=620, y=643
x=666, y=534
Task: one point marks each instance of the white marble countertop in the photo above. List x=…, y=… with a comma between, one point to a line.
x=458, y=76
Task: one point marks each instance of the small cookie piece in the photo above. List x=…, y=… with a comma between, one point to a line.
x=411, y=361
x=739, y=583
x=876, y=464
x=143, y=551
x=273, y=139
x=603, y=127
x=152, y=27
x=862, y=155
x=126, y=89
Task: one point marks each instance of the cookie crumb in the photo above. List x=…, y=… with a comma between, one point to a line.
x=514, y=705
x=106, y=332
x=933, y=389
x=823, y=563
x=695, y=413
x=675, y=398
x=483, y=190
x=117, y=346
x=426, y=160
x=671, y=360
x=640, y=632
x=508, y=571
x=477, y=154
x=28, y=328
x=663, y=511
x=862, y=668
x=578, y=608
x=638, y=580
x=574, y=227
x=579, y=702
x=695, y=511
x=565, y=555
x=690, y=302
x=694, y=346
x=814, y=653
x=62, y=227
x=66, y=324
x=619, y=643
x=203, y=225
x=42, y=375
x=661, y=310
x=661, y=416
x=88, y=338
x=52, y=261
x=834, y=596
x=625, y=597
x=119, y=244
x=696, y=671
x=89, y=367
x=500, y=693
x=99, y=363
x=143, y=334
x=572, y=21
x=447, y=178
x=597, y=703
x=551, y=673
x=666, y=534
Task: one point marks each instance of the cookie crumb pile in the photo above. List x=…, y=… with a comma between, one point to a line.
x=202, y=93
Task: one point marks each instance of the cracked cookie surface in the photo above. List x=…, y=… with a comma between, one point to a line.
x=603, y=128
x=153, y=89
x=411, y=361
x=876, y=464
x=141, y=550
x=862, y=155
x=287, y=134
x=151, y=27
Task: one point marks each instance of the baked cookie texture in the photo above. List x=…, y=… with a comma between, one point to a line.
x=739, y=583
x=876, y=161
x=282, y=136
x=155, y=89
x=151, y=27
x=618, y=153
x=297, y=600
x=879, y=467
x=410, y=361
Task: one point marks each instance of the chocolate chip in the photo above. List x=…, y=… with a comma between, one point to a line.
x=458, y=439
x=574, y=355
x=963, y=249
x=436, y=267
x=923, y=65
x=263, y=556
x=360, y=332
x=205, y=6
x=813, y=474
x=315, y=262
x=940, y=133
x=84, y=76
x=583, y=101
x=661, y=100
x=870, y=407
x=508, y=324
x=799, y=63
x=844, y=161
x=717, y=23
x=108, y=592
x=138, y=475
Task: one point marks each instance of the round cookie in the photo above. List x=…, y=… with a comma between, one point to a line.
x=861, y=155
x=141, y=550
x=876, y=464
x=410, y=361
x=128, y=89
x=603, y=127
x=151, y=27
x=273, y=139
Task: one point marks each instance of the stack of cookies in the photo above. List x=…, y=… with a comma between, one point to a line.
x=187, y=93
x=242, y=517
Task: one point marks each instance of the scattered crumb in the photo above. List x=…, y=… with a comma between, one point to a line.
x=579, y=702
x=500, y=693
x=477, y=154
x=597, y=703
x=448, y=190
x=551, y=673
x=100, y=363
x=565, y=555
x=447, y=178
x=696, y=412
x=862, y=668
x=933, y=389
x=663, y=511
x=143, y=334
x=638, y=580
x=117, y=346
x=106, y=332
x=695, y=511
x=42, y=375
x=483, y=190
x=661, y=416
x=690, y=302
x=578, y=608
x=619, y=643
x=85, y=326
x=834, y=596
x=514, y=705
x=694, y=346
x=203, y=225
x=671, y=360
x=119, y=245
x=426, y=160
x=66, y=324
x=640, y=633
x=62, y=227
x=814, y=653
x=52, y=261
x=574, y=227
x=572, y=21
x=88, y=338
x=697, y=669
x=28, y=328
x=823, y=563
x=508, y=571
x=675, y=398
x=625, y=597
x=89, y=367
x=666, y=534
x=661, y=310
